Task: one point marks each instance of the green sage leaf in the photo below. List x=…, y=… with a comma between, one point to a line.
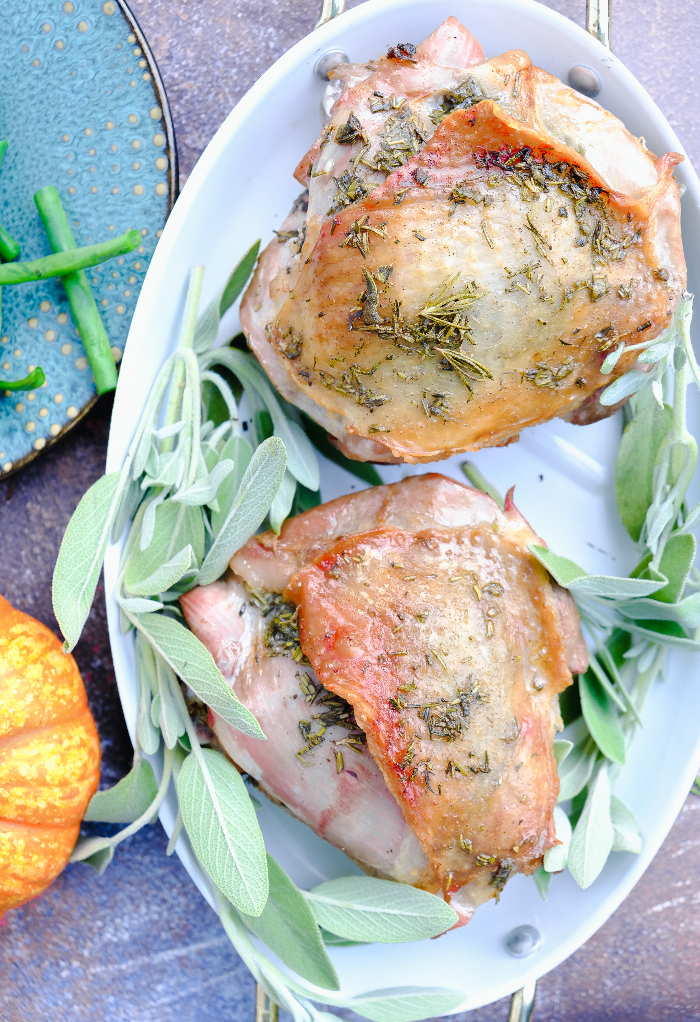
x=287, y=926
x=240, y=452
x=601, y=717
x=164, y=577
x=634, y=468
x=331, y=940
x=627, y=836
x=568, y=574
x=366, y=909
x=675, y=564
x=480, y=481
x=97, y=852
x=176, y=528
x=624, y=386
x=170, y=718
x=147, y=734
x=193, y=662
x=576, y=769
x=224, y=831
x=208, y=323
x=405, y=1004
x=562, y=748
x=686, y=613
x=252, y=502
x=542, y=881
x=301, y=457
x=668, y=633
x=128, y=799
x=204, y=491
x=555, y=858
x=139, y=605
x=593, y=837
x=81, y=555
x=282, y=501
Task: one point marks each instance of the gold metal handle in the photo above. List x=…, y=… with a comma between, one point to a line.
x=522, y=1003
x=265, y=1009
x=330, y=9
x=598, y=20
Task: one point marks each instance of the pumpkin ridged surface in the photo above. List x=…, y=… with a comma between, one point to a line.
x=49, y=756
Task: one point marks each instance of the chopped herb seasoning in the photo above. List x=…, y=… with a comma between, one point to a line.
x=420, y=175
x=541, y=243
x=291, y=344
x=467, y=368
x=625, y=291
x=350, y=132
x=462, y=194
x=501, y=875
x=338, y=761
x=336, y=712
x=403, y=138
x=543, y=375
x=358, y=235
x=462, y=97
x=350, y=188
x=384, y=103
x=437, y=406
x=485, y=860
x=466, y=846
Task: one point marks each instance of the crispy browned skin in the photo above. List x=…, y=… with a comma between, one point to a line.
x=560, y=256
x=424, y=592
x=546, y=315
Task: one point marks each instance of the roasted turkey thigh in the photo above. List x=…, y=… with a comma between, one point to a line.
x=419, y=604
x=474, y=240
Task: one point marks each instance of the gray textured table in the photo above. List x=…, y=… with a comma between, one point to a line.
x=139, y=944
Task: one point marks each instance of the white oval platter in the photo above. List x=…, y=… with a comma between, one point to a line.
x=240, y=190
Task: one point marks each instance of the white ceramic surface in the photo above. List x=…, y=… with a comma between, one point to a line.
x=241, y=189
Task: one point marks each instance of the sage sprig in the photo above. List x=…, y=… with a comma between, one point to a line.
x=191, y=491
x=630, y=622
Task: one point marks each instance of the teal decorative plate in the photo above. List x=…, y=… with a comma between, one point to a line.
x=83, y=108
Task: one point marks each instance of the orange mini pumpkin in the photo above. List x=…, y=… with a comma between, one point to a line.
x=49, y=756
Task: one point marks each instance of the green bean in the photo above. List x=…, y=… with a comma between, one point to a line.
x=82, y=302
x=9, y=248
x=35, y=379
x=61, y=263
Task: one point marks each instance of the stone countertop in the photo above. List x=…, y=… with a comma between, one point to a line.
x=139, y=943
